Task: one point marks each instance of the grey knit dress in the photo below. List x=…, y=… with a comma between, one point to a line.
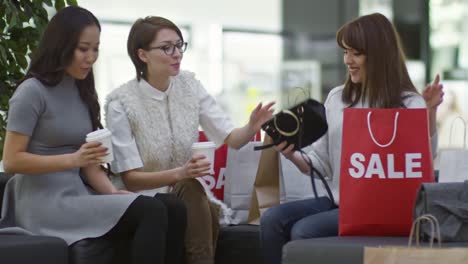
x=59, y=203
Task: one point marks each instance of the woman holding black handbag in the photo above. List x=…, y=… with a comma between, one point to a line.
x=377, y=78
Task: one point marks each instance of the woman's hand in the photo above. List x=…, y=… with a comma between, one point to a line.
x=91, y=153
x=287, y=152
x=197, y=166
x=260, y=115
x=433, y=93
x=242, y=135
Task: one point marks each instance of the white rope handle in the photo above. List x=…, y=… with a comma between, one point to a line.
x=394, y=130
x=435, y=230
x=451, y=130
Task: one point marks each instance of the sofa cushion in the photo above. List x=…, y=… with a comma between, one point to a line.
x=337, y=250
x=91, y=251
x=99, y=251
x=21, y=249
x=238, y=244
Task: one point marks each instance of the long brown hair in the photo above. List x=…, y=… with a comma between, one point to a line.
x=55, y=53
x=141, y=35
x=386, y=73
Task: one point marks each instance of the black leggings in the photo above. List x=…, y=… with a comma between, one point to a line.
x=155, y=227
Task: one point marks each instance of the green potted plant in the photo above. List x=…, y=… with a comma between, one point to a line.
x=21, y=25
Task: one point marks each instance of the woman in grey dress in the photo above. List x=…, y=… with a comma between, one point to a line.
x=51, y=112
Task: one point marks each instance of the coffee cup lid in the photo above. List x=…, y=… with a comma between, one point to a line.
x=100, y=133
x=202, y=145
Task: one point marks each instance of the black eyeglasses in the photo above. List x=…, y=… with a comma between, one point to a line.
x=169, y=49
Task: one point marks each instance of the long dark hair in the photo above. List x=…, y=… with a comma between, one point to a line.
x=55, y=53
x=142, y=33
x=386, y=73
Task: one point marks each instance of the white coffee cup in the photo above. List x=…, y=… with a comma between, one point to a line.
x=105, y=137
x=207, y=149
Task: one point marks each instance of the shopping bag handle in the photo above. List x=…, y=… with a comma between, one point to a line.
x=451, y=130
x=394, y=130
x=415, y=230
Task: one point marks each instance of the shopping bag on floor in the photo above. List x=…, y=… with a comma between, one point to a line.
x=385, y=157
x=265, y=193
x=453, y=163
x=417, y=254
x=241, y=169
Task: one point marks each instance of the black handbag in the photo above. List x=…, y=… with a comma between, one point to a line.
x=300, y=125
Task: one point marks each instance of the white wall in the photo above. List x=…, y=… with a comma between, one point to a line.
x=205, y=18
x=262, y=14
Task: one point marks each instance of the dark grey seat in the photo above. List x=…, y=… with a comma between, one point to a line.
x=238, y=244
x=19, y=249
x=23, y=249
x=338, y=250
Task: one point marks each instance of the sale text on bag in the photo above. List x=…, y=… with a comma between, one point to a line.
x=376, y=168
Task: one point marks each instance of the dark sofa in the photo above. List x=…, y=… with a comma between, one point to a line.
x=236, y=244
x=338, y=250
x=22, y=249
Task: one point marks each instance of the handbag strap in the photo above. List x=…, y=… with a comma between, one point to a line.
x=312, y=170
x=262, y=147
x=395, y=123
x=314, y=173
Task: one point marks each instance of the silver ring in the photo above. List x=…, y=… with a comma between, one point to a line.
x=284, y=133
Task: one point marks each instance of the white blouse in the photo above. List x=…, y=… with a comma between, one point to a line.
x=213, y=120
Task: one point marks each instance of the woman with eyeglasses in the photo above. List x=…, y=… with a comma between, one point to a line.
x=154, y=120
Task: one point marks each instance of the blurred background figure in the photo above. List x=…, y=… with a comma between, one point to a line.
x=451, y=130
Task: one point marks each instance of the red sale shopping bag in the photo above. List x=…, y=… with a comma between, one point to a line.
x=215, y=182
x=385, y=157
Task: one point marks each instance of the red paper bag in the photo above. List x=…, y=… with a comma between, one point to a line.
x=385, y=157
x=215, y=182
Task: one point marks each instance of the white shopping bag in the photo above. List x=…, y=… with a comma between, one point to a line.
x=241, y=169
x=453, y=162
x=294, y=185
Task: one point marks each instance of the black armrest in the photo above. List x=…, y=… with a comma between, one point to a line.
x=22, y=249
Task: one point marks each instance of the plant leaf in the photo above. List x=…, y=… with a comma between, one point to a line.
x=13, y=20
x=21, y=25
x=3, y=54
x=72, y=2
x=59, y=4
